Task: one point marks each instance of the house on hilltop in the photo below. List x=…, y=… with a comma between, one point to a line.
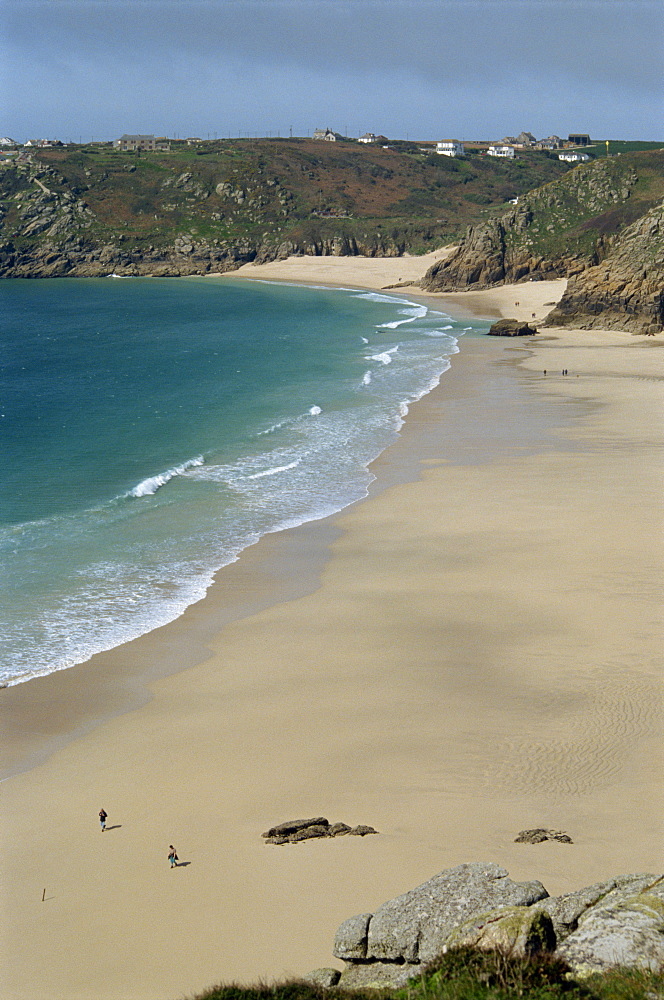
x=450, y=147
x=132, y=143
x=525, y=139
x=326, y=134
x=571, y=156
x=505, y=152
x=368, y=137
x=553, y=142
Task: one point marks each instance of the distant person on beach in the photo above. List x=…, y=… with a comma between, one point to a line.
x=102, y=819
x=172, y=856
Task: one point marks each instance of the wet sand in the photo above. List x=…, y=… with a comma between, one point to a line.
x=471, y=651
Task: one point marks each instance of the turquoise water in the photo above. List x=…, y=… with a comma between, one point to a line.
x=153, y=428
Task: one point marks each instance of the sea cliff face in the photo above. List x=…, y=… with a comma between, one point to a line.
x=625, y=291
x=600, y=226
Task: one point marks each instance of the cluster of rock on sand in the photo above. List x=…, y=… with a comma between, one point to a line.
x=618, y=922
x=306, y=829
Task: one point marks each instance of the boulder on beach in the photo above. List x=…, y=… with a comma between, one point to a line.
x=307, y=829
x=511, y=328
x=539, y=835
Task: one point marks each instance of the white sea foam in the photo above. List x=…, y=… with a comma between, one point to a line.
x=364, y=340
x=381, y=297
x=273, y=428
x=366, y=378
x=411, y=314
x=149, y=486
x=278, y=468
x=385, y=358
x=314, y=411
x=441, y=331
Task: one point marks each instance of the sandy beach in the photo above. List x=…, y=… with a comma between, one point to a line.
x=471, y=651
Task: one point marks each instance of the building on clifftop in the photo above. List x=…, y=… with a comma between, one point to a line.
x=132, y=143
x=450, y=147
x=571, y=156
x=506, y=152
x=326, y=134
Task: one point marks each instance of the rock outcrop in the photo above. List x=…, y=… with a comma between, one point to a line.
x=539, y=835
x=307, y=829
x=406, y=933
x=618, y=922
x=625, y=291
x=590, y=227
x=511, y=328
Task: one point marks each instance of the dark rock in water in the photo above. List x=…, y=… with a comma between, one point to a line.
x=539, y=835
x=308, y=829
x=511, y=328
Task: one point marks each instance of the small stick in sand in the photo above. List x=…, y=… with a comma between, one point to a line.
x=43, y=895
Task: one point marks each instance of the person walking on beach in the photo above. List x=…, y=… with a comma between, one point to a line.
x=172, y=856
x=103, y=815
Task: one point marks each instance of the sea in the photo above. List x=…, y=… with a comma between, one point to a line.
x=154, y=428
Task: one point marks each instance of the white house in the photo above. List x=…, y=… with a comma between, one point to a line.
x=506, y=152
x=325, y=133
x=368, y=137
x=450, y=148
x=573, y=157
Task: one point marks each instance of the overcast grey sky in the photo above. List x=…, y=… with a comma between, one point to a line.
x=426, y=69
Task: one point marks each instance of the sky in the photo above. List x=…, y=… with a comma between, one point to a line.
x=419, y=69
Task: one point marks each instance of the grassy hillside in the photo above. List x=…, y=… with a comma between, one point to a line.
x=560, y=228
x=255, y=196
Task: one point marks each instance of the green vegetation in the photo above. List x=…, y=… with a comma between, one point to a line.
x=616, y=146
x=276, y=190
x=590, y=203
x=467, y=974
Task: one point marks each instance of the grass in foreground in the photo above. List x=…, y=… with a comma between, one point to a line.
x=468, y=974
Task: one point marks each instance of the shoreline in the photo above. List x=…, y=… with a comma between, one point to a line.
x=468, y=651
x=75, y=693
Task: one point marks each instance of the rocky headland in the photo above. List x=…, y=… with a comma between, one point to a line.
x=626, y=290
x=600, y=226
x=619, y=922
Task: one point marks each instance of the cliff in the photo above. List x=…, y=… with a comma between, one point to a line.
x=210, y=207
x=600, y=226
x=625, y=291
